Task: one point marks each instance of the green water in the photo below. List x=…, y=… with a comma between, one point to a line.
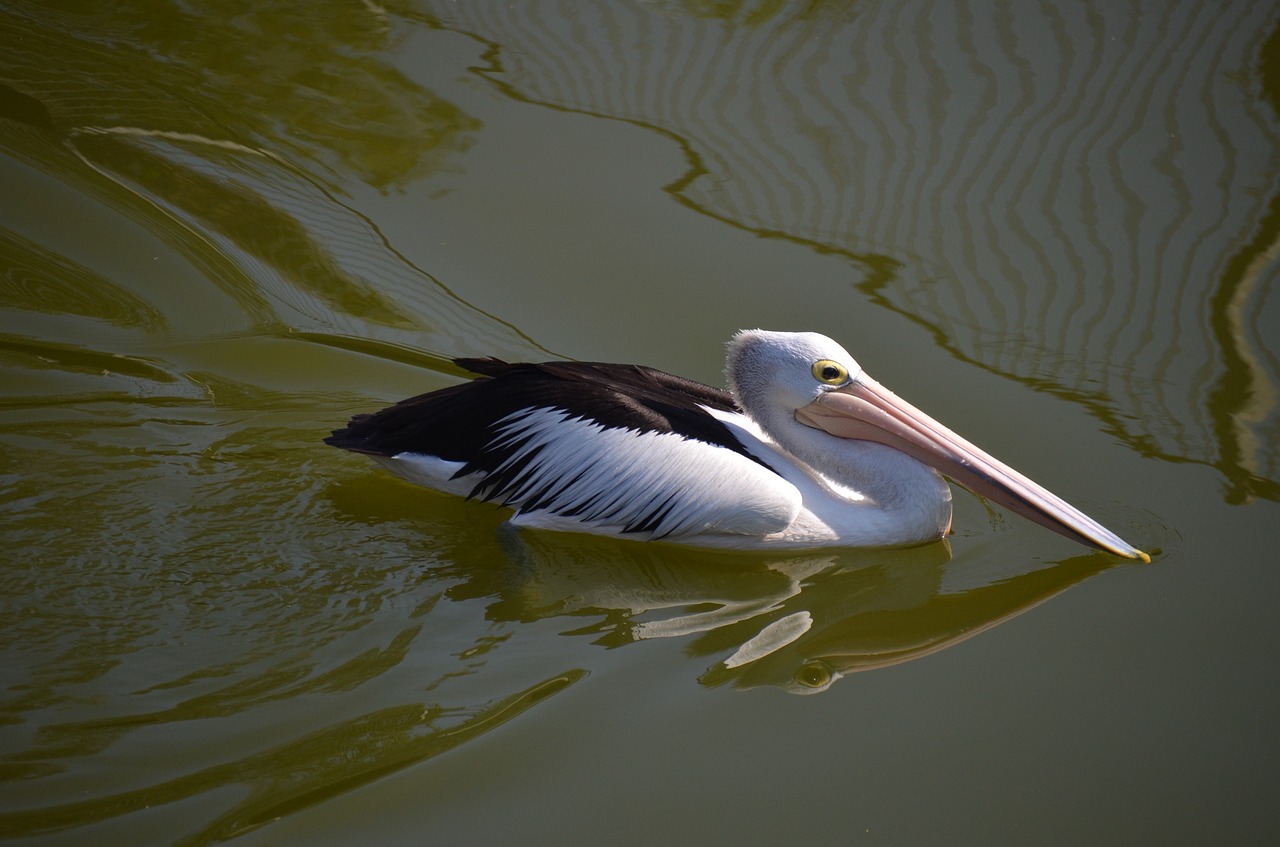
x=226, y=228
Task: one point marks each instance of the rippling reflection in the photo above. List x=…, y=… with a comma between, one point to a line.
x=290, y=777
x=37, y=279
x=240, y=173
x=800, y=622
x=210, y=647
x=1044, y=188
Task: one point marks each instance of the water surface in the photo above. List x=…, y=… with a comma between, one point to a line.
x=228, y=229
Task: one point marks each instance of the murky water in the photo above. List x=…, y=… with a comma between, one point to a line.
x=227, y=229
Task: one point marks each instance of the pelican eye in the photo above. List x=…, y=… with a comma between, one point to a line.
x=830, y=373
x=814, y=674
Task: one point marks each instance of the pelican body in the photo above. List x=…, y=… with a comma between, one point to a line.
x=803, y=450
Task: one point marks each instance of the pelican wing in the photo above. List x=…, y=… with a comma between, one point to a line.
x=581, y=445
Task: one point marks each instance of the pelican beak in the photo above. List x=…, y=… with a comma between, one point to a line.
x=866, y=410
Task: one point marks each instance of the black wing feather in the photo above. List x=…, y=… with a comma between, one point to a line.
x=459, y=423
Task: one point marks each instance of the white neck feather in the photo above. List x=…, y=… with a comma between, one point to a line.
x=887, y=496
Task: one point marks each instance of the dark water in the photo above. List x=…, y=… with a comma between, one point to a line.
x=227, y=228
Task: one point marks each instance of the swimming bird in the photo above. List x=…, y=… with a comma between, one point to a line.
x=804, y=450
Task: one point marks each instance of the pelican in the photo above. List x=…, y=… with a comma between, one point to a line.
x=803, y=450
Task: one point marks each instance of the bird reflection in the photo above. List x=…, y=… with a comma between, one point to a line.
x=799, y=622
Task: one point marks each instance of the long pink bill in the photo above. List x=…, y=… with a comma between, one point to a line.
x=866, y=410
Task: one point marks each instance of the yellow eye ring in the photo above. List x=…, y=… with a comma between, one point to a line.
x=830, y=373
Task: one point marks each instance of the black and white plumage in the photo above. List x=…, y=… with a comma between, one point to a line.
x=805, y=450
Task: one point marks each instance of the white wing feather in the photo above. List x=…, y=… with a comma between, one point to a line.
x=579, y=475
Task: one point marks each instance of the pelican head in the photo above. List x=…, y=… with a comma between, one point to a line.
x=785, y=371
x=782, y=379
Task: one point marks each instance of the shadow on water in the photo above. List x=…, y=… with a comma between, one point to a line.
x=798, y=622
